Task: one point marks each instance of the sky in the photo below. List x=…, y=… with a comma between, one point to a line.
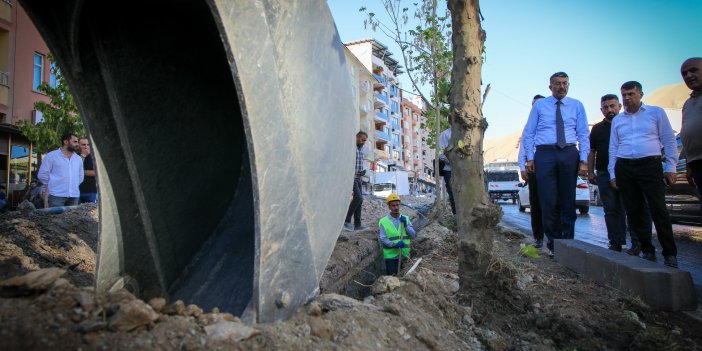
x=600, y=44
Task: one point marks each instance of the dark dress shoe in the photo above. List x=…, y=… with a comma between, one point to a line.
x=634, y=250
x=671, y=261
x=651, y=256
x=539, y=244
x=617, y=248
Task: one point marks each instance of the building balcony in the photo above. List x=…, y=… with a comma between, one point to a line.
x=380, y=101
x=381, y=137
x=381, y=116
x=380, y=82
x=381, y=97
x=382, y=154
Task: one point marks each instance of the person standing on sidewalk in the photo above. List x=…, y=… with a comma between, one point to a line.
x=691, y=131
x=597, y=162
x=555, y=124
x=635, y=169
x=396, y=234
x=537, y=224
x=62, y=171
x=357, y=201
x=88, y=188
x=444, y=140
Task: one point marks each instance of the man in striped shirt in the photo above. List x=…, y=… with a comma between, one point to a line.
x=357, y=201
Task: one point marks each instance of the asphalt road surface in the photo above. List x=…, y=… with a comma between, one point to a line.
x=591, y=228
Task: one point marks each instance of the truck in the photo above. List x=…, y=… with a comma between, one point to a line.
x=391, y=182
x=503, y=181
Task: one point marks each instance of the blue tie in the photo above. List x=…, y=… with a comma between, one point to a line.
x=560, y=130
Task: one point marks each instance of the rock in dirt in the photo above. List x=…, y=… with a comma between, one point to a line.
x=314, y=309
x=320, y=328
x=86, y=299
x=132, y=315
x=158, y=304
x=26, y=206
x=386, y=284
x=31, y=283
x=177, y=307
x=230, y=331
x=332, y=302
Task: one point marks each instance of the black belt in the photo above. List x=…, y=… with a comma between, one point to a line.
x=552, y=146
x=633, y=161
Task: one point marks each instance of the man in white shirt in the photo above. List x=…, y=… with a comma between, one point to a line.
x=444, y=140
x=62, y=171
x=635, y=169
x=537, y=226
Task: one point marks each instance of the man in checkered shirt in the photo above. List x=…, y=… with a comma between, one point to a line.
x=355, y=206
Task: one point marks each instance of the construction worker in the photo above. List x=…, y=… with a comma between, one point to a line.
x=396, y=233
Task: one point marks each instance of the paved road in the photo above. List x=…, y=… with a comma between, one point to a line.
x=591, y=228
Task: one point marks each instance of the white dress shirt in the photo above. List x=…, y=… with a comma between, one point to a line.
x=642, y=134
x=444, y=140
x=541, y=126
x=62, y=174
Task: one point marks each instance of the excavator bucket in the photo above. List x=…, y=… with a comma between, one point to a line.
x=224, y=137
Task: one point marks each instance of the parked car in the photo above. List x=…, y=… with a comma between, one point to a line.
x=682, y=199
x=582, y=196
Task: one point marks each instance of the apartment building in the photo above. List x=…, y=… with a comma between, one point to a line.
x=387, y=98
x=426, y=180
x=417, y=151
x=23, y=66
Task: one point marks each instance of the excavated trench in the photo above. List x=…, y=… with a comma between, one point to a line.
x=357, y=261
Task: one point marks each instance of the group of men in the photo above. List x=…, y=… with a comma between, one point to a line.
x=68, y=173
x=631, y=155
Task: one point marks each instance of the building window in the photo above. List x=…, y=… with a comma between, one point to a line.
x=387, y=148
x=396, y=155
x=52, y=75
x=395, y=139
x=38, y=71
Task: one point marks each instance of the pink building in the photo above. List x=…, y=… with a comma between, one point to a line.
x=23, y=66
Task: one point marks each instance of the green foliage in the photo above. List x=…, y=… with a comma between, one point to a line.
x=425, y=45
x=60, y=116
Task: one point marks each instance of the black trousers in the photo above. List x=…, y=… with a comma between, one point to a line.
x=356, y=202
x=641, y=181
x=696, y=168
x=537, y=224
x=447, y=180
x=556, y=172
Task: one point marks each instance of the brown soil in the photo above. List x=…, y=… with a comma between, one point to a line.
x=521, y=304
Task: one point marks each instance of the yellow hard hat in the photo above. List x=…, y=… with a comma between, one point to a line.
x=392, y=197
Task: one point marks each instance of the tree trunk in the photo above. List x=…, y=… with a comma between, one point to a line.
x=476, y=217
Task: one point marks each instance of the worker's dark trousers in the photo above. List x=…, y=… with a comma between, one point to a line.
x=449, y=190
x=556, y=173
x=391, y=266
x=356, y=202
x=537, y=224
x=641, y=181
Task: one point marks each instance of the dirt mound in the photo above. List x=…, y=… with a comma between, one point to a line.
x=36, y=239
x=521, y=304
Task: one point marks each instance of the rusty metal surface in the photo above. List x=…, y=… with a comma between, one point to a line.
x=223, y=134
